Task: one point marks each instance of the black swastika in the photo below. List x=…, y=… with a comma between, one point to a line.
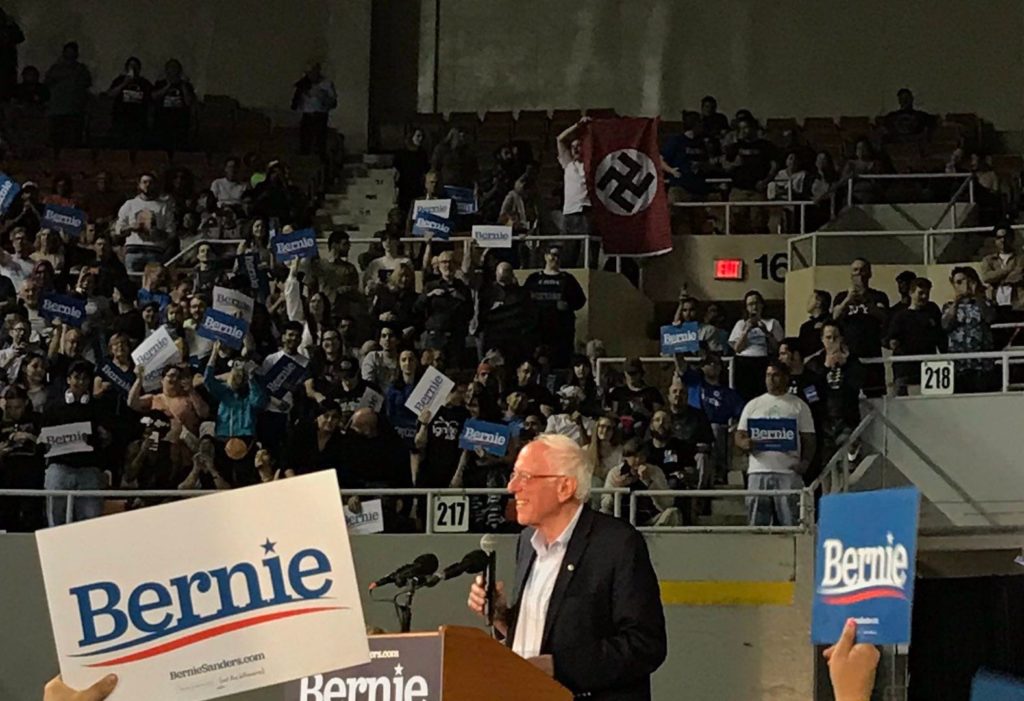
x=625, y=183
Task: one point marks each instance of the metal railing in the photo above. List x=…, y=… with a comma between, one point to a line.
x=728, y=206
x=797, y=245
x=587, y=243
x=969, y=177
x=617, y=494
x=660, y=360
x=1005, y=357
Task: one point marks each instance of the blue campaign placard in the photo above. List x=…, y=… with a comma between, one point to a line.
x=864, y=566
x=67, y=220
x=298, y=244
x=116, y=376
x=773, y=435
x=428, y=223
x=493, y=438
x=70, y=310
x=680, y=339
x=8, y=191
x=228, y=329
x=463, y=197
x=257, y=276
x=283, y=377
x=988, y=686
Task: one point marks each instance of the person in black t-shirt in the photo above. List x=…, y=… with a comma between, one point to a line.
x=916, y=330
x=557, y=296
x=842, y=377
x=809, y=386
x=437, y=440
x=753, y=168
x=131, y=93
x=907, y=124
x=21, y=463
x=820, y=311
x=173, y=99
x=862, y=313
x=537, y=395
x=635, y=397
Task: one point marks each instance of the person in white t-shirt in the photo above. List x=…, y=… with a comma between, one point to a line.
x=754, y=339
x=571, y=422
x=229, y=189
x=576, y=201
x=779, y=452
x=378, y=269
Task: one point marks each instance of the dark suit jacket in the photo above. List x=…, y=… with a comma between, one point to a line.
x=605, y=626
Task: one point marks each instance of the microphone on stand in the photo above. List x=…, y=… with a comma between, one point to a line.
x=472, y=563
x=488, y=543
x=422, y=566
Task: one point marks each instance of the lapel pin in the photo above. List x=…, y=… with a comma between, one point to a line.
x=571, y=567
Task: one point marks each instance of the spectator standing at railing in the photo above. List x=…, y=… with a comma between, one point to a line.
x=914, y=330
x=720, y=403
x=841, y=379
x=819, y=309
x=751, y=172
x=445, y=308
x=754, y=339
x=21, y=463
x=132, y=95
x=557, y=296
x=173, y=101
x=772, y=469
x=575, y=198
x=1003, y=273
x=507, y=318
x=808, y=386
x=69, y=81
x=966, y=321
x=689, y=426
x=862, y=313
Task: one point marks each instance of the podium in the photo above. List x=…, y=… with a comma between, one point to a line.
x=453, y=663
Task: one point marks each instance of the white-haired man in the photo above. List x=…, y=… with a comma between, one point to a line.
x=586, y=606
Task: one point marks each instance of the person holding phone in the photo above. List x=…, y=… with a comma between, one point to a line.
x=754, y=339
x=132, y=95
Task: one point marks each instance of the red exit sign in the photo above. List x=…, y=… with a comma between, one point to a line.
x=729, y=269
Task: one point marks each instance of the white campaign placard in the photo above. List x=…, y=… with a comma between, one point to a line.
x=431, y=392
x=206, y=597
x=66, y=438
x=156, y=351
x=370, y=518
x=442, y=208
x=372, y=399
x=937, y=377
x=492, y=236
x=230, y=301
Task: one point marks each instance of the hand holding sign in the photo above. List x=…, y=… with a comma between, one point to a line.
x=57, y=690
x=852, y=666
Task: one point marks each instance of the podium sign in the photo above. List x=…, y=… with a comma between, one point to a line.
x=401, y=667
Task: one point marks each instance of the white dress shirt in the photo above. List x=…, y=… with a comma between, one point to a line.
x=533, y=602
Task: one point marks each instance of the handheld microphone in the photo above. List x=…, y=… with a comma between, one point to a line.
x=422, y=566
x=488, y=544
x=473, y=563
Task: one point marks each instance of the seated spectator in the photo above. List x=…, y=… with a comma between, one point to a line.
x=864, y=162
x=721, y=405
x=20, y=347
x=146, y=200
x=771, y=468
x=754, y=339
x=132, y=95
x=840, y=379
x=63, y=194
x=1003, y=274
x=792, y=183
x=906, y=124
x=101, y=204
x=754, y=167
x=375, y=457
x=377, y=271
x=557, y=296
x=966, y=322
x=68, y=81
x=204, y=473
x=688, y=311
x=540, y=400
x=862, y=313
x=605, y=448
x=454, y=161
x=638, y=474
x=78, y=470
x=635, y=398
x=22, y=462
x=571, y=422
x=713, y=124
x=173, y=101
x=33, y=377
x=819, y=308
x=228, y=189
x=915, y=330
x=825, y=177
x=582, y=376
x=31, y=92
x=49, y=247
x=437, y=440
x=380, y=367
x=277, y=198
x=319, y=445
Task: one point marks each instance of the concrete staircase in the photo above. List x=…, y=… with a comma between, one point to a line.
x=367, y=194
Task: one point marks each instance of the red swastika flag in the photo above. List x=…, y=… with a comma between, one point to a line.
x=627, y=191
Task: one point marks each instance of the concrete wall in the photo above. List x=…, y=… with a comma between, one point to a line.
x=251, y=51
x=756, y=647
x=793, y=57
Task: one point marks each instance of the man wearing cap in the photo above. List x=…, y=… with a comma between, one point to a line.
x=571, y=422
x=353, y=391
x=635, y=393
x=557, y=297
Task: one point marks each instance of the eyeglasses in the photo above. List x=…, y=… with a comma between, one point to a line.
x=525, y=477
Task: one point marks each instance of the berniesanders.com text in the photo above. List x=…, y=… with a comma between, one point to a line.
x=208, y=667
